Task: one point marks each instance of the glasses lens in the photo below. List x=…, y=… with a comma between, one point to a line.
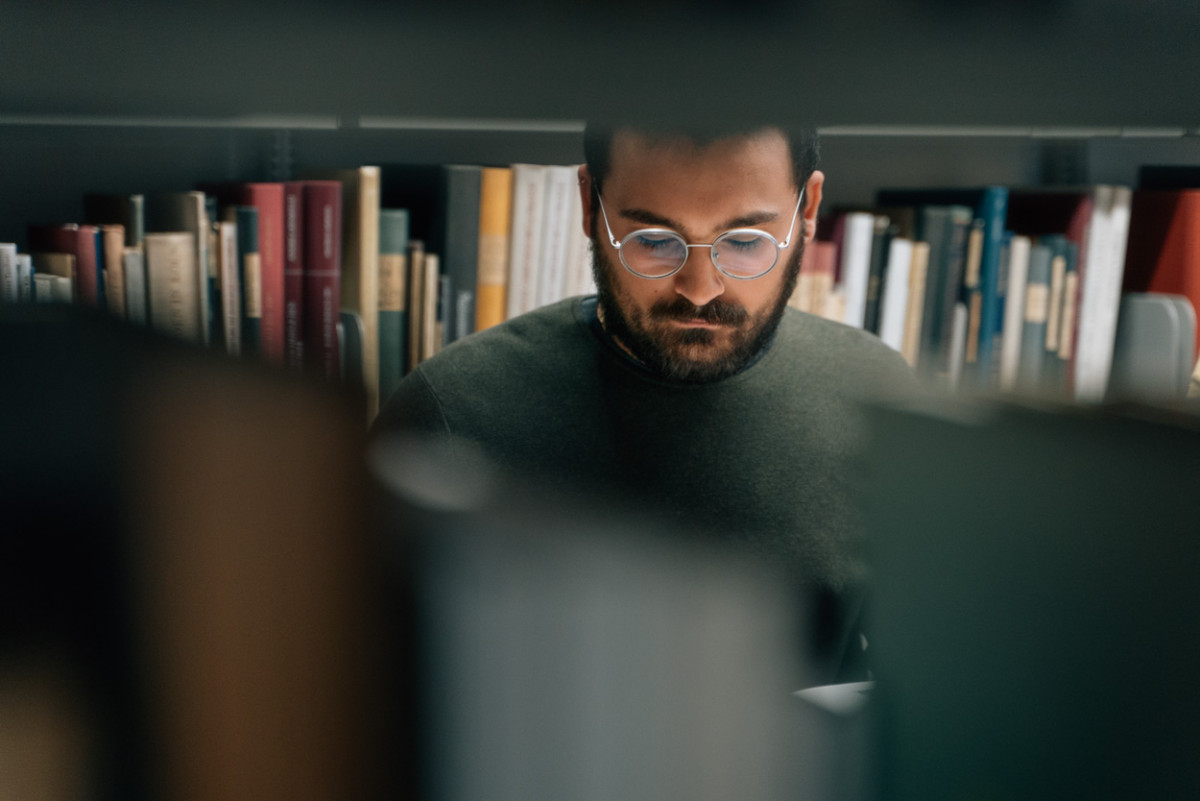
x=745, y=254
x=653, y=253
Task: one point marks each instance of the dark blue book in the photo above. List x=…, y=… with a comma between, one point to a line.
x=248, y=260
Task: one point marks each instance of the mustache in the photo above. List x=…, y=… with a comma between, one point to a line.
x=716, y=311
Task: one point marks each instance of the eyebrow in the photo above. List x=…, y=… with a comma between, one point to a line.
x=646, y=217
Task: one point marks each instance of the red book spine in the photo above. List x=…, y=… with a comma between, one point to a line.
x=293, y=273
x=268, y=198
x=322, y=222
x=1163, y=251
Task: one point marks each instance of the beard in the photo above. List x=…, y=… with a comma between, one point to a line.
x=690, y=355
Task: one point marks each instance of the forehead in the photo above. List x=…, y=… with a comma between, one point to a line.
x=754, y=164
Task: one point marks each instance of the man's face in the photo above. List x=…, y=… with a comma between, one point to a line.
x=698, y=324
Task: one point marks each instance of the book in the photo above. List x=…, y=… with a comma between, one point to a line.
x=184, y=211
x=431, y=336
x=250, y=275
x=81, y=241
x=176, y=308
x=1035, y=319
x=293, y=274
x=894, y=305
x=525, y=246
x=359, y=221
x=418, y=308
x=24, y=278
x=230, y=279
x=1154, y=351
x=9, y=282
x=393, y=298
x=1014, y=310
x=944, y=229
x=1163, y=254
x=495, y=221
x=881, y=239
x=915, y=308
x=137, y=293
x=973, y=299
x=324, y=235
x=112, y=237
x=1101, y=275
x=561, y=183
x=858, y=230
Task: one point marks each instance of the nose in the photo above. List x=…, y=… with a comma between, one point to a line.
x=699, y=280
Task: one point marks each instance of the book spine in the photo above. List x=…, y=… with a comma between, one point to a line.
x=529, y=197
x=858, y=230
x=113, y=248
x=229, y=272
x=268, y=198
x=322, y=225
x=250, y=274
x=495, y=220
x=992, y=212
x=881, y=238
x=417, y=308
x=895, y=293
x=171, y=270
x=1035, y=320
x=9, y=283
x=136, y=292
x=293, y=274
x=457, y=243
x=393, y=297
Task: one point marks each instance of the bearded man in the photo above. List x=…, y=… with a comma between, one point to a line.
x=687, y=387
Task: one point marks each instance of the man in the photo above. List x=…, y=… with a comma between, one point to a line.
x=687, y=387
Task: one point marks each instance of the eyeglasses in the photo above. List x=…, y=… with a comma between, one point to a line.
x=742, y=253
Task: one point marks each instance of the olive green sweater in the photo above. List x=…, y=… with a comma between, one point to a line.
x=763, y=457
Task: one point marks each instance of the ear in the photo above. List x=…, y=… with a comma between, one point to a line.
x=812, y=203
x=585, y=196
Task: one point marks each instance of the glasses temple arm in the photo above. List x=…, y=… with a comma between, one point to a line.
x=791, y=228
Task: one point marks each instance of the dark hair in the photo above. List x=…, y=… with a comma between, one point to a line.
x=803, y=143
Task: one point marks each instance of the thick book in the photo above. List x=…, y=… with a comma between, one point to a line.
x=186, y=211
x=112, y=238
x=495, y=222
x=81, y=241
x=359, y=266
x=173, y=274
x=393, y=298
x=561, y=184
x=10, y=284
x=293, y=274
x=525, y=246
x=914, y=312
x=1036, y=313
x=268, y=198
x=854, y=263
x=1164, y=245
x=944, y=229
x=323, y=283
x=1154, y=354
x=894, y=303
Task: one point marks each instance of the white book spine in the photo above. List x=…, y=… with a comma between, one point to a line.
x=856, y=265
x=24, y=278
x=1014, y=311
x=135, y=285
x=529, y=181
x=560, y=185
x=1101, y=297
x=9, y=284
x=895, y=294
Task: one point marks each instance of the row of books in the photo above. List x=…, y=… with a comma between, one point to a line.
x=1007, y=288
x=357, y=274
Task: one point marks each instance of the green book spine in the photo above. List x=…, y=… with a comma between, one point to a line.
x=393, y=297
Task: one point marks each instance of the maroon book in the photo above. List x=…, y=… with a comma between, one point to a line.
x=293, y=273
x=322, y=224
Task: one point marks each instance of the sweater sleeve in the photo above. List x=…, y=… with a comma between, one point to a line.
x=413, y=407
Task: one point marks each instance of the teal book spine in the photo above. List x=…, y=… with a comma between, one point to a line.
x=393, y=297
x=251, y=273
